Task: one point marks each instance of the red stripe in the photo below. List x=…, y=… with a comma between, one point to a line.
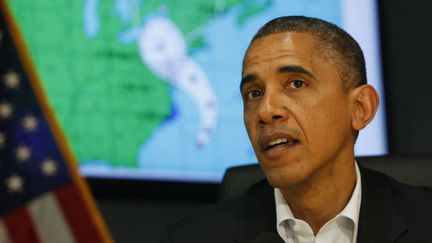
x=77, y=215
x=20, y=228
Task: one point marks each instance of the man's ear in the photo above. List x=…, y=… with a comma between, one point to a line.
x=365, y=106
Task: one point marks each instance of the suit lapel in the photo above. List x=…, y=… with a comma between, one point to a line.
x=379, y=220
x=258, y=216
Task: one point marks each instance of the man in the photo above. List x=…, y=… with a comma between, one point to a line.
x=305, y=100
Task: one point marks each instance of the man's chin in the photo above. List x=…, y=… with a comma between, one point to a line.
x=280, y=178
x=284, y=172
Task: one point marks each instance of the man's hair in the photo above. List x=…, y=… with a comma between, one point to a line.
x=334, y=44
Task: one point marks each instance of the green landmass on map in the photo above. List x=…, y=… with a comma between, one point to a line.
x=107, y=101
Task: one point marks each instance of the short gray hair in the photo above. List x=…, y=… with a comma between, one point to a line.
x=336, y=44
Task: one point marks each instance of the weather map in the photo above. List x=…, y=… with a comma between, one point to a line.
x=150, y=89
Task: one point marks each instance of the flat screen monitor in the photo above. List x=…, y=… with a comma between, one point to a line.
x=149, y=89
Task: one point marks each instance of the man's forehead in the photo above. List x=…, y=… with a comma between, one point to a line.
x=286, y=38
x=289, y=52
x=278, y=44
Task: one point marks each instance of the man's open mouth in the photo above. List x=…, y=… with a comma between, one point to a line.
x=280, y=142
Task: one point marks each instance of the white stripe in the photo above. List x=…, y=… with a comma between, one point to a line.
x=49, y=220
x=3, y=234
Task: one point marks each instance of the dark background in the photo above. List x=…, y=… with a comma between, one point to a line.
x=137, y=211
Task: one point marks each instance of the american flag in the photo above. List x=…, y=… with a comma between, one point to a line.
x=42, y=197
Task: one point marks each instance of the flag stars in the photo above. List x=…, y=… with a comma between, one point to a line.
x=22, y=153
x=49, y=167
x=11, y=79
x=5, y=110
x=30, y=123
x=15, y=183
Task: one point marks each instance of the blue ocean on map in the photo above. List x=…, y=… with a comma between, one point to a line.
x=171, y=151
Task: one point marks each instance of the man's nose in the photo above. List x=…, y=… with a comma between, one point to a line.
x=272, y=108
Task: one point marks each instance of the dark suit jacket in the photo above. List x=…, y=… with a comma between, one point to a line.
x=390, y=212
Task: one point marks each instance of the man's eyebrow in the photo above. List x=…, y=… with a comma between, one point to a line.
x=284, y=69
x=294, y=69
x=247, y=79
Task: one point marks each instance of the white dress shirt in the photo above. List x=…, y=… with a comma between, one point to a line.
x=341, y=229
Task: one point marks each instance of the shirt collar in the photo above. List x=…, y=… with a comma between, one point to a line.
x=351, y=210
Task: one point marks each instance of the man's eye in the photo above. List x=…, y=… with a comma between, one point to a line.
x=296, y=84
x=252, y=94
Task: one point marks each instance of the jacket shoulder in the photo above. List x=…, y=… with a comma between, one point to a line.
x=221, y=222
x=401, y=192
x=394, y=205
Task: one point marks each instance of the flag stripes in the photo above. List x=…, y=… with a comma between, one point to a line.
x=4, y=238
x=19, y=227
x=76, y=215
x=49, y=221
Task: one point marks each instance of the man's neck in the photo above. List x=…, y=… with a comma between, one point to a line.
x=321, y=198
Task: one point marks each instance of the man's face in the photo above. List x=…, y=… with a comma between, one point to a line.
x=296, y=112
